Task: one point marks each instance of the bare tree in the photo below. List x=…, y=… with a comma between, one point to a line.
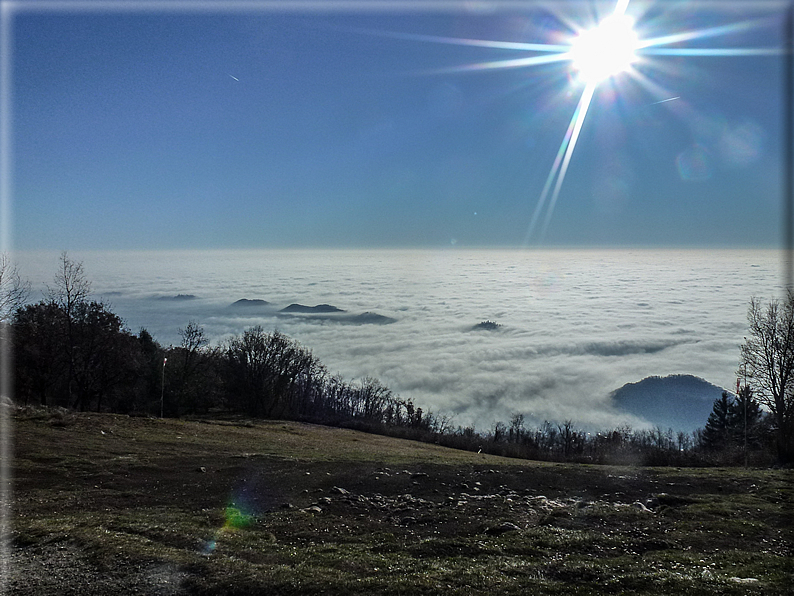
x=193, y=338
x=768, y=358
x=13, y=289
x=69, y=294
x=190, y=366
x=71, y=286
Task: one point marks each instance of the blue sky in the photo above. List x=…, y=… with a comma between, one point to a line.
x=359, y=128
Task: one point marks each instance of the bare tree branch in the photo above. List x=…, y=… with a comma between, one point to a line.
x=13, y=289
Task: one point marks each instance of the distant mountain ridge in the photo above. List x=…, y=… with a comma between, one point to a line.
x=680, y=402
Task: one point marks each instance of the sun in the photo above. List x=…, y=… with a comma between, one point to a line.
x=596, y=55
x=605, y=50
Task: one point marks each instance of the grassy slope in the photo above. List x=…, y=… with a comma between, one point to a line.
x=109, y=504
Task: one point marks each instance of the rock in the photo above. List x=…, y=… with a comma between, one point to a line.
x=202, y=469
x=312, y=509
x=652, y=502
x=340, y=491
x=502, y=528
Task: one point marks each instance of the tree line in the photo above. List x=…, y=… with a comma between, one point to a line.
x=72, y=351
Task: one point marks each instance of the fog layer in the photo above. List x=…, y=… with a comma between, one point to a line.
x=572, y=325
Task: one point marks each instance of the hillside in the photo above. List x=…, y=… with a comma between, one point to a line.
x=108, y=504
x=680, y=402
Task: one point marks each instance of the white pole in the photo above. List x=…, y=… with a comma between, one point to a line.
x=162, y=387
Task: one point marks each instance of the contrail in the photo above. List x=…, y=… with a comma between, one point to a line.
x=665, y=100
x=235, y=78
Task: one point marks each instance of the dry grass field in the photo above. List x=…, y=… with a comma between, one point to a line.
x=107, y=504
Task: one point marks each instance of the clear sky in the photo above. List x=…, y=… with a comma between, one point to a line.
x=198, y=127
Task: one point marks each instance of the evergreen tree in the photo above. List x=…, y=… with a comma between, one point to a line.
x=726, y=424
x=717, y=432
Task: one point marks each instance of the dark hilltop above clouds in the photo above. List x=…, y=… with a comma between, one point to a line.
x=368, y=318
x=244, y=304
x=486, y=326
x=319, y=312
x=680, y=402
x=177, y=298
x=320, y=308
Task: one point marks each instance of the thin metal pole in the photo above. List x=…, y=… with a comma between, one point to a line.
x=162, y=387
x=746, y=398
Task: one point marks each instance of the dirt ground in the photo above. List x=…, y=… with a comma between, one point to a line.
x=116, y=505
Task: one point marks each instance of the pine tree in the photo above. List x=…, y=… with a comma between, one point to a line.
x=757, y=424
x=717, y=432
x=726, y=423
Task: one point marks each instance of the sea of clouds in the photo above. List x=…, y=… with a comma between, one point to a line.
x=574, y=324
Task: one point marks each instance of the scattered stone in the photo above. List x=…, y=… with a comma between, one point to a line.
x=652, y=502
x=312, y=509
x=641, y=507
x=502, y=528
x=744, y=580
x=419, y=475
x=202, y=469
x=287, y=506
x=340, y=491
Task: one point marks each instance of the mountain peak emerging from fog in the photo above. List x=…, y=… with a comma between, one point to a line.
x=680, y=402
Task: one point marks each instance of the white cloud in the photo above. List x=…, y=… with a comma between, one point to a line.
x=575, y=324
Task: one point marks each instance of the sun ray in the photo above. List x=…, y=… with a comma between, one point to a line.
x=561, y=161
x=713, y=52
x=461, y=41
x=497, y=64
x=620, y=7
x=579, y=116
x=701, y=33
x=550, y=179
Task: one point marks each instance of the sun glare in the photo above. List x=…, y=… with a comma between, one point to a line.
x=605, y=50
x=596, y=55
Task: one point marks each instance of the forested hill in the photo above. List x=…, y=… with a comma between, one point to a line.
x=681, y=402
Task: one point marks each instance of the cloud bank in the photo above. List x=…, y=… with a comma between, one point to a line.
x=574, y=325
